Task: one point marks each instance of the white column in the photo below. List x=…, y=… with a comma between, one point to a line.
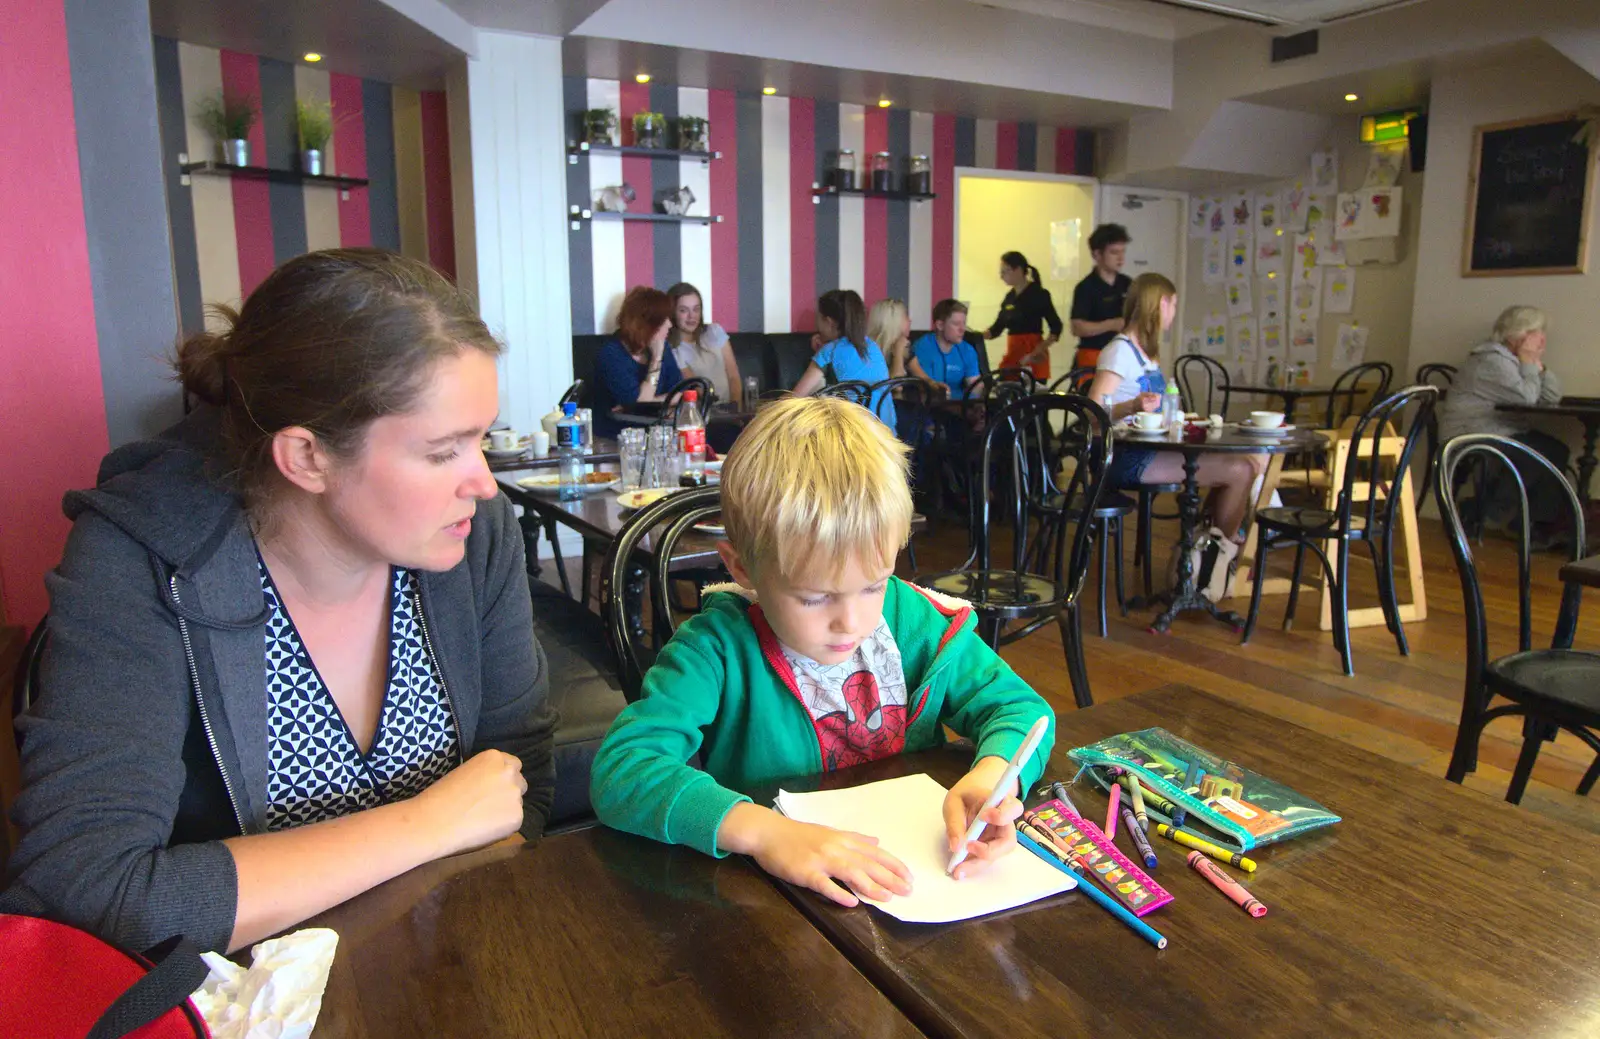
x=518, y=224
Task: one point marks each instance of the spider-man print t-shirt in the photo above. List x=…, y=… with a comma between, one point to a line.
x=858, y=706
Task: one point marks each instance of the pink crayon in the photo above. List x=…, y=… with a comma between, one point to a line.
x=1111, y=813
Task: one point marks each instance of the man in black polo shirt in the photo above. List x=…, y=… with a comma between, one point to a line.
x=1097, y=301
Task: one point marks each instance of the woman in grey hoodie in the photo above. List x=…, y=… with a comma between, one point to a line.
x=291, y=650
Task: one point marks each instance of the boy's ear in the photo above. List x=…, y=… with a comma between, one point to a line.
x=730, y=559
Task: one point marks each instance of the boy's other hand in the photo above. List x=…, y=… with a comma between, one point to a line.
x=962, y=805
x=816, y=857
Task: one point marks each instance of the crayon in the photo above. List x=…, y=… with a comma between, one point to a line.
x=1111, y=813
x=1105, y=901
x=1189, y=840
x=1134, y=791
x=1154, y=800
x=1061, y=795
x=1140, y=841
x=1226, y=884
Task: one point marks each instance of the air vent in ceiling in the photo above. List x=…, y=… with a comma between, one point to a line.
x=1291, y=12
x=1300, y=45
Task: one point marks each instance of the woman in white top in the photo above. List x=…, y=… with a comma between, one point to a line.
x=701, y=347
x=1130, y=375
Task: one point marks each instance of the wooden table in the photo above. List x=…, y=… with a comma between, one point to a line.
x=1584, y=571
x=589, y=933
x=1587, y=411
x=604, y=453
x=599, y=518
x=1430, y=910
x=1293, y=395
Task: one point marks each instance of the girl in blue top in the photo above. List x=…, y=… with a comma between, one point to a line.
x=846, y=354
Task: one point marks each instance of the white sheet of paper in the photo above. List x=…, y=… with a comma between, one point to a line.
x=907, y=817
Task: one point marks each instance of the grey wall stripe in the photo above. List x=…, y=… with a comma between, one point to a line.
x=898, y=226
x=826, y=211
x=752, y=301
x=1083, y=156
x=966, y=141
x=109, y=48
x=580, y=243
x=288, y=201
x=180, y=206
x=1027, y=146
x=668, y=237
x=383, y=194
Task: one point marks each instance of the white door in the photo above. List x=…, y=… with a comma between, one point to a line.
x=1155, y=222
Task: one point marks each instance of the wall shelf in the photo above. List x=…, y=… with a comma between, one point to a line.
x=628, y=151
x=656, y=218
x=818, y=194
x=224, y=169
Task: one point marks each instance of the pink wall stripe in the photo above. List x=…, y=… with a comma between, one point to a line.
x=944, y=186
x=875, y=263
x=52, y=401
x=802, y=212
x=638, y=237
x=1005, y=146
x=252, y=206
x=1066, y=150
x=436, y=189
x=723, y=114
x=350, y=154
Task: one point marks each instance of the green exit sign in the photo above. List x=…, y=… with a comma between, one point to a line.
x=1382, y=127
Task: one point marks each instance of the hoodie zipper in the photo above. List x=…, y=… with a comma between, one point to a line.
x=444, y=687
x=205, y=716
x=941, y=660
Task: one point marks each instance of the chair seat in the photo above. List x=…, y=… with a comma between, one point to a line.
x=1114, y=503
x=1310, y=521
x=1160, y=488
x=1000, y=593
x=1565, y=682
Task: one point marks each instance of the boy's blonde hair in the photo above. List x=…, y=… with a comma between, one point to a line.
x=813, y=482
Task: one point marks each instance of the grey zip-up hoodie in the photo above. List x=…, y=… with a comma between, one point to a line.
x=148, y=744
x=1492, y=375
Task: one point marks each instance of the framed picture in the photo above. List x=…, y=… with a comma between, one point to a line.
x=1528, y=197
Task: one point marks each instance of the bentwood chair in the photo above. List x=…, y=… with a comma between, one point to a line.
x=1075, y=381
x=853, y=390
x=1204, y=384
x=1366, y=510
x=705, y=397
x=912, y=399
x=1058, y=479
x=1549, y=689
x=1442, y=376
x=1367, y=384
x=574, y=392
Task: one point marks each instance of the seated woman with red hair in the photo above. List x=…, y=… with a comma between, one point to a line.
x=634, y=365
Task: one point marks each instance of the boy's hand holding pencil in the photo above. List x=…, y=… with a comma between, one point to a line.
x=965, y=803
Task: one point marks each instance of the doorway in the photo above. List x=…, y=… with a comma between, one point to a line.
x=1046, y=217
x=1155, y=223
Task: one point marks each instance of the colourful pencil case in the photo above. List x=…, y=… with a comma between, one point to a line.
x=1244, y=808
x=1127, y=883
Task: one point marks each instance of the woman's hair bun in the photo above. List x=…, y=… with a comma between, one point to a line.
x=203, y=360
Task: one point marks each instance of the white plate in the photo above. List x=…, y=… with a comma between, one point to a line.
x=1135, y=431
x=550, y=483
x=510, y=454
x=639, y=499
x=1245, y=427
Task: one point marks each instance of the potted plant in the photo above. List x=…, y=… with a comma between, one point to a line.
x=649, y=129
x=693, y=133
x=228, y=123
x=600, y=126
x=313, y=122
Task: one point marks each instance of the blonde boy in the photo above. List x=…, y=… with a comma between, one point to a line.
x=822, y=659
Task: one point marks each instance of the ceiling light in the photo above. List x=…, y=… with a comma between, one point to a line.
x=313, y=57
x=643, y=77
x=885, y=103
x=1351, y=97
x=769, y=91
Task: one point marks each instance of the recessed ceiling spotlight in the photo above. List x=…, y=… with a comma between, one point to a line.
x=769, y=91
x=1351, y=97
x=885, y=103
x=313, y=57
x=643, y=77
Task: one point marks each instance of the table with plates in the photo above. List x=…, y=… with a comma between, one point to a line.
x=1587, y=411
x=1291, y=396
x=604, y=452
x=1230, y=439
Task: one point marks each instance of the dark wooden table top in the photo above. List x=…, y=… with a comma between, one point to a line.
x=1584, y=571
x=1430, y=910
x=599, y=517
x=1296, y=392
x=1230, y=440
x=604, y=453
x=590, y=933
x=1584, y=408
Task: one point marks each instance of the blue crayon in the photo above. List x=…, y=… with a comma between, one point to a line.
x=1140, y=841
x=1109, y=904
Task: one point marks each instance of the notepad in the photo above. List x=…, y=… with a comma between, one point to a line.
x=907, y=817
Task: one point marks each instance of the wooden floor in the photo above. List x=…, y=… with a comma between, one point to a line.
x=1404, y=708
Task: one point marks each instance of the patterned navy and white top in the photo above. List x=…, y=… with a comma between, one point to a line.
x=315, y=769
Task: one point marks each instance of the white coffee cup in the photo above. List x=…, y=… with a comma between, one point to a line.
x=503, y=439
x=1266, y=419
x=1149, y=420
x=539, y=443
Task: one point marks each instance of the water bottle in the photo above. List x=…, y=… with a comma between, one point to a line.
x=692, y=437
x=569, y=449
x=1171, y=408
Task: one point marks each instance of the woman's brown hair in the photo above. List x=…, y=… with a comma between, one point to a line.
x=329, y=341
x=643, y=311
x=849, y=314
x=677, y=292
x=1141, y=313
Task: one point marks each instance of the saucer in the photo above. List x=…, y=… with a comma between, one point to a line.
x=1245, y=427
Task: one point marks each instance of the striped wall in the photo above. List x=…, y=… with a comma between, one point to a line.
x=228, y=233
x=775, y=251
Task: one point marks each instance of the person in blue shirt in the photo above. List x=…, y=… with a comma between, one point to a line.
x=845, y=354
x=943, y=358
x=634, y=365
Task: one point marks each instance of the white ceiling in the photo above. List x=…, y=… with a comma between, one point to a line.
x=1292, y=13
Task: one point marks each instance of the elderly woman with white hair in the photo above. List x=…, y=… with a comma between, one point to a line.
x=1509, y=369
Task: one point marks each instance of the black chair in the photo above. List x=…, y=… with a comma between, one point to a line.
x=1075, y=381
x=853, y=390
x=628, y=567
x=573, y=395
x=1371, y=379
x=705, y=397
x=1059, y=481
x=1550, y=689
x=25, y=684
x=913, y=402
x=1442, y=376
x=1370, y=519
x=1022, y=376
x=1204, y=384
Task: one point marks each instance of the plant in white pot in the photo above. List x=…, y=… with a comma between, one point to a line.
x=693, y=134
x=313, y=122
x=649, y=129
x=600, y=126
x=228, y=123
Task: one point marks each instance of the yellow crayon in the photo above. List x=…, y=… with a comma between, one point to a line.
x=1188, y=840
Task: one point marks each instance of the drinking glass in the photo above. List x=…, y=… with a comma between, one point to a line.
x=631, y=445
x=752, y=392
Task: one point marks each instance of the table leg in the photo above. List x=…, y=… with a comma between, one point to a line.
x=1587, y=461
x=1291, y=404
x=1185, y=594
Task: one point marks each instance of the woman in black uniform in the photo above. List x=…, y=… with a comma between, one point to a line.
x=1024, y=315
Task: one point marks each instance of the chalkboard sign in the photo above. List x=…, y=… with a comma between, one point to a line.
x=1528, y=200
